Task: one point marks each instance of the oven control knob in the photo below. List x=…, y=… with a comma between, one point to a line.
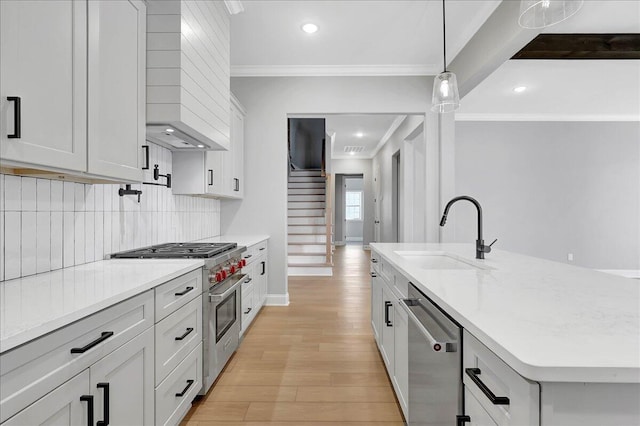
x=218, y=276
x=240, y=264
x=244, y=262
x=223, y=273
x=232, y=269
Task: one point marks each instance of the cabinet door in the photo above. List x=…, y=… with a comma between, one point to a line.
x=261, y=274
x=62, y=406
x=401, y=358
x=475, y=411
x=247, y=309
x=214, y=173
x=387, y=329
x=43, y=57
x=376, y=307
x=237, y=152
x=124, y=380
x=116, y=85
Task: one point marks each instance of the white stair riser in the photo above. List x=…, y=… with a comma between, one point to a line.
x=306, y=191
x=306, y=179
x=306, y=221
x=310, y=271
x=307, y=238
x=305, y=173
x=306, y=205
x=299, y=248
x=306, y=213
x=307, y=259
x=312, y=229
x=306, y=185
x=306, y=198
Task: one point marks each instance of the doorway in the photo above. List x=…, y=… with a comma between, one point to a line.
x=349, y=224
x=396, y=197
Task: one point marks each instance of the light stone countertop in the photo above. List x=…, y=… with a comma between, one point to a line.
x=33, y=306
x=549, y=321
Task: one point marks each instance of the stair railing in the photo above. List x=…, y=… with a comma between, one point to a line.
x=328, y=212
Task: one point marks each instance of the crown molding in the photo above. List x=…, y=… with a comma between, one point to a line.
x=234, y=6
x=546, y=117
x=333, y=70
x=390, y=131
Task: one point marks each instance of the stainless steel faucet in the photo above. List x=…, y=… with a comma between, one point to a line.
x=481, y=249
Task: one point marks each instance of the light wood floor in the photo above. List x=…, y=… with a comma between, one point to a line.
x=312, y=363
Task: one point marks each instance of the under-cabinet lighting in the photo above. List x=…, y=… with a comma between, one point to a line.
x=169, y=130
x=200, y=146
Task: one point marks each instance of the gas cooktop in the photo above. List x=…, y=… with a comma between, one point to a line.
x=177, y=251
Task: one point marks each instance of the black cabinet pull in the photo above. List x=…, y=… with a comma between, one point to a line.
x=461, y=420
x=189, y=330
x=264, y=268
x=146, y=157
x=248, y=310
x=387, y=305
x=248, y=256
x=186, y=290
x=495, y=400
x=184, y=391
x=374, y=260
x=248, y=280
x=237, y=184
x=105, y=404
x=373, y=274
x=210, y=177
x=104, y=336
x=89, y=400
x=17, y=120
x=262, y=248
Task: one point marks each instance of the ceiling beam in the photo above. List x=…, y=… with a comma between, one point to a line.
x=582, y=46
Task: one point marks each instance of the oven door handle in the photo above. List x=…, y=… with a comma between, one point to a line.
x=219, y=297
x=436, y=346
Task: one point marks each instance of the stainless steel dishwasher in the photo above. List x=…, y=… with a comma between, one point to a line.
x=435, y=364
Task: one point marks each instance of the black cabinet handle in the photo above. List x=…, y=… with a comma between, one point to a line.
x=189, y=330
x=104, y=336
x=461, y=420
x=184, y=391
x=374, y=260
x=146, y=157
x=264, y=268
x=248, y=280
x=210, y=177
x=186, y=290
x=237, y=184
x=105, y=404
x=473, y=373
x=262, y=248
x=387, y=305
x=373, y=274
x=17, y=120
x=248, y=256
x=248, y=310
x=89, y=400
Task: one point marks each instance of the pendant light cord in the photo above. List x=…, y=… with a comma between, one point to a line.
x=444, y=36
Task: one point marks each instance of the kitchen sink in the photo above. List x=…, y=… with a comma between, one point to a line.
x=436, y=260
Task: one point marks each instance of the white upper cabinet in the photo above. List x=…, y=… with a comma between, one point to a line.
x=235, y=173
x=116, y=76
x=74, y=71
x=188, y=73
x=43, y=64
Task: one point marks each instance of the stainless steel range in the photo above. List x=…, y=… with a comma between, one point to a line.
x=220, y=299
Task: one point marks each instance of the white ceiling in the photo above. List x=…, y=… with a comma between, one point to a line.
x=383, y=37
x=345, y=127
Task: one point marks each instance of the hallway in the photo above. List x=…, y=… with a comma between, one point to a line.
x=312, y=363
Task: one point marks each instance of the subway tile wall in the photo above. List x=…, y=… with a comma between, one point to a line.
x=50, y=224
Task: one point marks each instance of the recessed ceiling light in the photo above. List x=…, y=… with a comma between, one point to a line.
x=309, y=28
x=352, y=153
x=169, y=130
x=520, y=89
x=359, y=135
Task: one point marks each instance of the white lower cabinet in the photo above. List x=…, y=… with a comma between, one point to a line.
x=122, y=383
x=477, y=414
x=376, y=305
x=388, y=332
x=62, y=406
x=254, y=287
x=401, y=358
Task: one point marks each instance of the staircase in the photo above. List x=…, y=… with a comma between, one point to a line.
x=309, y=236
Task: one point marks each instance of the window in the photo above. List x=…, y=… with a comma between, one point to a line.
x=353, y=205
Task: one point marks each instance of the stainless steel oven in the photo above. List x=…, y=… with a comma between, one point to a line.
x=222, y=315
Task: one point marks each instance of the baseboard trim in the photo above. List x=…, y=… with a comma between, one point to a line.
x=277, y=300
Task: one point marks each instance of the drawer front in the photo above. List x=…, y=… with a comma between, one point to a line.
x=477, y=414
x=178, y=292
x=176, y=336
x=249, y=280
x=260, y=248
x=524, y=396
x=172, y=401
x=247, y=309
x=249, y=255
x=36, y=368
x=375, y=261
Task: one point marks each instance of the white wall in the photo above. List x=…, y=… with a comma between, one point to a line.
x=356, y=167
x=48, y=224
x=268, y=101
x=552, y=188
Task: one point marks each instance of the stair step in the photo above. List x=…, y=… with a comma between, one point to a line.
x=306, y=205
x=306, y=197
x=306, y=172
x=298, y=248
x=307, y=238
x=306, y=191
x=306, y=179
x=305, y=213
x=306, y=229
x=305, y=260
x=309, y=220
x=300, y=185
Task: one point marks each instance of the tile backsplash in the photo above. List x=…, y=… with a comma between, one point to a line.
x=50, y=224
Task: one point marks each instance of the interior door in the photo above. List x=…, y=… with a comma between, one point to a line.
x=377, y=203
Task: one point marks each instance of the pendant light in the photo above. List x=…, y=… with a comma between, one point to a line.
x=445, y=97
x=536, y=14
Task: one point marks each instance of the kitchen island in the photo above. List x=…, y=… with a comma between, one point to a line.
x=571, y=331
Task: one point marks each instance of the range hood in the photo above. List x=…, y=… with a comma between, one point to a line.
x=188, y=86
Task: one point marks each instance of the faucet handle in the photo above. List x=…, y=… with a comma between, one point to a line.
x=494, y=241
x=487, y=249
